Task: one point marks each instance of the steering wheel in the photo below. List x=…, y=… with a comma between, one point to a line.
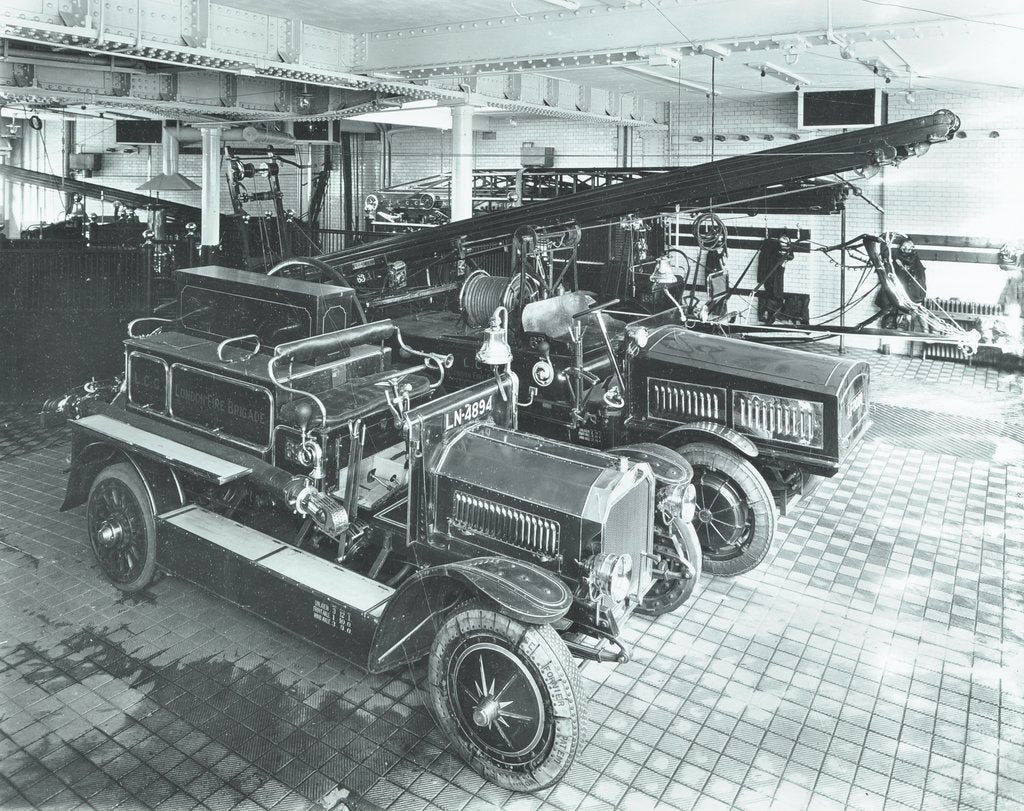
x=308, y=269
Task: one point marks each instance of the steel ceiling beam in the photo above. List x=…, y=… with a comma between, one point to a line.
x=220, y=38
x=582, y=38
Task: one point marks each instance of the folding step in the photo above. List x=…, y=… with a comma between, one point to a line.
x=154, y=446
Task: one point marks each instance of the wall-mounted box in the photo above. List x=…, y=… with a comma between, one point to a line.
x=531, y=155
x=317, y=132
x=138, y=131
x=84, y=160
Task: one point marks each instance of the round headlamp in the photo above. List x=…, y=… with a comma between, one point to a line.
x=613, y=575
x=677, y=501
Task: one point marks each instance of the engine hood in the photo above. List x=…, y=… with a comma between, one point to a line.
x=768, y=364
x=543, y=472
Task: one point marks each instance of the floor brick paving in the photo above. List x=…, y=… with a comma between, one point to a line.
x=873, y=662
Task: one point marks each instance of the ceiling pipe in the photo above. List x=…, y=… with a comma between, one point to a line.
x=845, y=48
x=248, y=134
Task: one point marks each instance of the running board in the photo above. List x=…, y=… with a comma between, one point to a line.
x=322, y=601
x=162, y=449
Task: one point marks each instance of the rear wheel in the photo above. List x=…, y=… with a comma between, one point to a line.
x=507, y=694
x=122, y=528
x=735, y=517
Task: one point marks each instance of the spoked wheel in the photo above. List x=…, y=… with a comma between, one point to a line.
x=674, y=581
x=735, y=518
x=122, y=529
x=507, y=695
x=309, y=269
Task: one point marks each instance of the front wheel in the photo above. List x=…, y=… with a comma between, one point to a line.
x=507, y=695
x=674, y=579
x=735, y=517
x=122, y=528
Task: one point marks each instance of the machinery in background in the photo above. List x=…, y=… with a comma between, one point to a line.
x=267, y=451
x=267, y=232
x=881, y=254
x=426, y=202
x=756, y=422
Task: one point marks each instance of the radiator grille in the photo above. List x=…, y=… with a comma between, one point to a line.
x=509, y=524
x=628, y=529
x=668, y=399
x=780, y=418
x=945, y=352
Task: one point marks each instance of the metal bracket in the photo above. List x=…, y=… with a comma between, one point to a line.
x=513, y=89
x=120, y=83
x=583, y=98
x=289, y=40
x=550, y=92
x=24, y=74
x=195, y=23
x=73, y=13
x=228, y=90
x=168, y=83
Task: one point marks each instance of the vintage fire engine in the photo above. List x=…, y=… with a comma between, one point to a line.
x=756, y=422
x=266, y=450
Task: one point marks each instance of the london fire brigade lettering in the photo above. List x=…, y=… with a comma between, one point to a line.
x=468, y=412
x=221, y=405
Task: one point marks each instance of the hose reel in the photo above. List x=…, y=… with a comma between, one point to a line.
x=482, y=294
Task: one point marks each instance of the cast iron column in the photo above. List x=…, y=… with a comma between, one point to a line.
x=462, y=162
x=211, y=192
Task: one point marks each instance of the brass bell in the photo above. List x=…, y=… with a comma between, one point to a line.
x=495, y=350
x=663, y=274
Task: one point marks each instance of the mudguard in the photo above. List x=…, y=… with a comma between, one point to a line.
x=668, y=466
x=521, y=590
x=89, y=457
x=711, y=431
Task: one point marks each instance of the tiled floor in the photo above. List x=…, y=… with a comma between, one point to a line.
x=874, y=661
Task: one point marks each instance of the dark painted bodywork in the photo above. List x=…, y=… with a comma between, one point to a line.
x=481, y=509
x=711, y=369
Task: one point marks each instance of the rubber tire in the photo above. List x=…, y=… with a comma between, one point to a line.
x=132, y=483
x=657, y=604
x=706, y=456
x=554, y=671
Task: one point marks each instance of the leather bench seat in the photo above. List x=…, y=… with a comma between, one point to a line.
x=355, y=399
